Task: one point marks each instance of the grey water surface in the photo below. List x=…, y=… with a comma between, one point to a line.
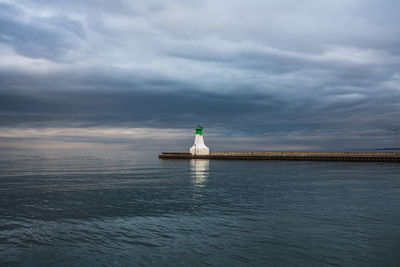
x=113, y=208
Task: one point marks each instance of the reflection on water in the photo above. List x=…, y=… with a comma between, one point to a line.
x=199, y=169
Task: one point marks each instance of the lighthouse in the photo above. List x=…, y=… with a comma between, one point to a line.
x=199, y=148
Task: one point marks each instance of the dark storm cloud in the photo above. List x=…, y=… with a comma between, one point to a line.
x=315, y=69
x=140, y=107
x=133, y=104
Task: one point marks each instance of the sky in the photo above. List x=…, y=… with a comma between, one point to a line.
x=141, y=75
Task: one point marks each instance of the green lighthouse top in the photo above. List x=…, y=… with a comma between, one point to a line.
x=199, y=130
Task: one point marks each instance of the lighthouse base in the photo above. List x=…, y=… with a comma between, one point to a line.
x=199, y=150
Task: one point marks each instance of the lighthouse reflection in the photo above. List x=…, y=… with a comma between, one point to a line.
x=199, y=169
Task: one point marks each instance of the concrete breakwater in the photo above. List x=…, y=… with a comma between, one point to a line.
x=317, y=156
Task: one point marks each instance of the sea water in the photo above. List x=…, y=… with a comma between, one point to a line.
x=122, y=208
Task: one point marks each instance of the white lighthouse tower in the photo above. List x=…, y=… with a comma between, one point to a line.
x=199, y=148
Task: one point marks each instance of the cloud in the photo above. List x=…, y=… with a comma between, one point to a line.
x=38, y=37
x=12, y=62
x=239, y=67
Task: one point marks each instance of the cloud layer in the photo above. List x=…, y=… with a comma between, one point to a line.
x=315, y=75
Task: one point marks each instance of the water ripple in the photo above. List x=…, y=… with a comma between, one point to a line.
x=109, y=209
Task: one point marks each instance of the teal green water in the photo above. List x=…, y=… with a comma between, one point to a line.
x=128, y=208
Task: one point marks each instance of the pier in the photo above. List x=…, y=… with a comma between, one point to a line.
x=299, y=156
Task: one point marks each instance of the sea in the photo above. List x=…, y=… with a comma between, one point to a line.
x=130, y=208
